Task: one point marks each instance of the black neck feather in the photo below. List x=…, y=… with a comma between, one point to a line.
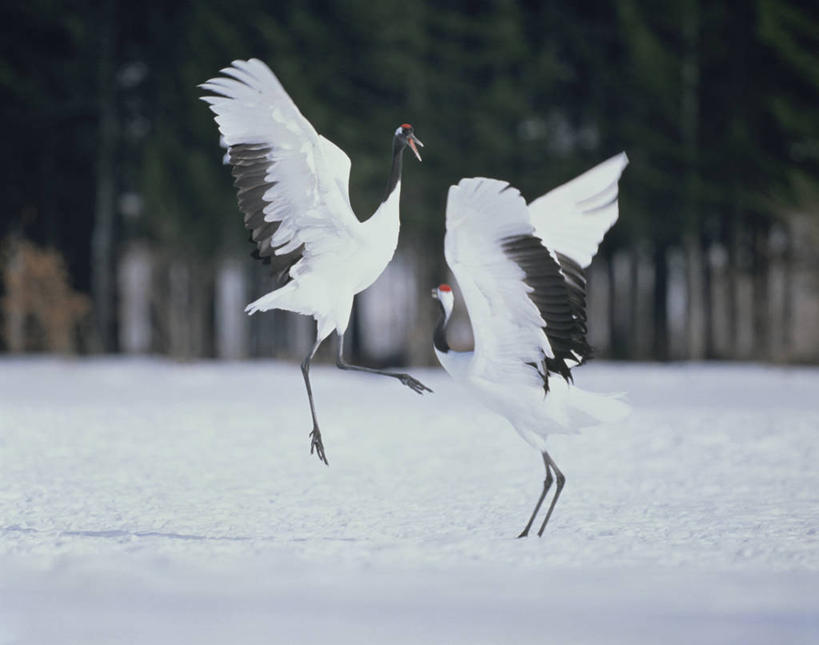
x=439, y=337
x=397, y=163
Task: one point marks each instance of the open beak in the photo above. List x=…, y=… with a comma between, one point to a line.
x=412, y=140
x=435, y=293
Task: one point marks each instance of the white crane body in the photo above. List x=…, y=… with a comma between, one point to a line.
x=293, y=188
x=519, y=268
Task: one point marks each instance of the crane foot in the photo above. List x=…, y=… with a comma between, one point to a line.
x=414, y=384
x=317, y=445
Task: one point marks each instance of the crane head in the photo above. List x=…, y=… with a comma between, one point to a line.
x=443, y=293
x=405, y=136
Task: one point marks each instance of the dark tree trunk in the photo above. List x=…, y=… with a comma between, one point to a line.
x=635, y=327
x=689, y=132
x=618, y=339
x=788, y=296
x=103, y=234
x=48, y=169
x=760, y=273
x=660, y=303
x=734, y=270
x=352, y=343
x=708, y=298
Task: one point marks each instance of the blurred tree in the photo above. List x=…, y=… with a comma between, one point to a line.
x=47, y=90
x=790, y=31
x=714, y=103
x=102, y=238
x=650, y=124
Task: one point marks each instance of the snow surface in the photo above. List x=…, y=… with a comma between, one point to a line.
x=145, y=501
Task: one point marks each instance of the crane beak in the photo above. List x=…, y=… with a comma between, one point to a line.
x=435, y=293
x=412, y=140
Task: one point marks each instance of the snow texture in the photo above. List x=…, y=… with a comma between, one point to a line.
x=145, y=501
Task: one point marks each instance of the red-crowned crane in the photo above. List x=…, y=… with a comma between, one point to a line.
x=520, y=270
x=292, y=186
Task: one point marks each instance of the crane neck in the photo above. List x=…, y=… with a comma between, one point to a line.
x=439, y=336
x=397, y=166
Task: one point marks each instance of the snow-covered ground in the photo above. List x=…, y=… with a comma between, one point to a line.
x=144, y=501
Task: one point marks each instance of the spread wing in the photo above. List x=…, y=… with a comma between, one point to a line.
x=292, y=183
x=573, y=218
x=527, y=315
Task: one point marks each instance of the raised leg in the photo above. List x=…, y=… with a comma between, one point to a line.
x=412, y=383
x=546, y=484
x=315, y=435
x=560, y=480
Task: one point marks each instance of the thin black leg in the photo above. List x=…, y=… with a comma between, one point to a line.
x=414, y=384
x=560, y=479
x=315, y=435
x=546, y=484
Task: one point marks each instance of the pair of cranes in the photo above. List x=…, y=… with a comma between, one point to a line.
x=519, y=267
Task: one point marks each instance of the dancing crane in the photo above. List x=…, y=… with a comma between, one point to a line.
x=520, y=270
x=293, y=188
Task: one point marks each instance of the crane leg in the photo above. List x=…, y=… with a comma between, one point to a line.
x=315, y=435
x=414, y=384
x=546, y=484
x=560, y=480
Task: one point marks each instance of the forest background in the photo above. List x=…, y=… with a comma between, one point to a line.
x=119, y=225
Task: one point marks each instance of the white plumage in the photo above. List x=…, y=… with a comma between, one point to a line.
x=292, y=186
x=573, y=218
x=519, y=269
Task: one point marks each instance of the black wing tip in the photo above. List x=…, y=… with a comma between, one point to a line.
x=250, y=166
x=559, y=294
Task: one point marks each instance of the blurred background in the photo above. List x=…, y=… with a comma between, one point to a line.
x=119, y=226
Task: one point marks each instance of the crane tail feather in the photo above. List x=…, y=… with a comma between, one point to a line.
x=601, y=408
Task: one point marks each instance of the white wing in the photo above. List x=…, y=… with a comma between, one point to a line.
x=481, y=216
x=292, y=182
x=573, y=218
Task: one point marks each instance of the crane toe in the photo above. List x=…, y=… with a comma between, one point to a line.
x=414, y=384
x=317, y=445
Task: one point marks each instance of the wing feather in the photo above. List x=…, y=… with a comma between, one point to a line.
x=573, y=218
x=292, y=184
x=527, y=304
x=510, y=343
x=559, y=292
